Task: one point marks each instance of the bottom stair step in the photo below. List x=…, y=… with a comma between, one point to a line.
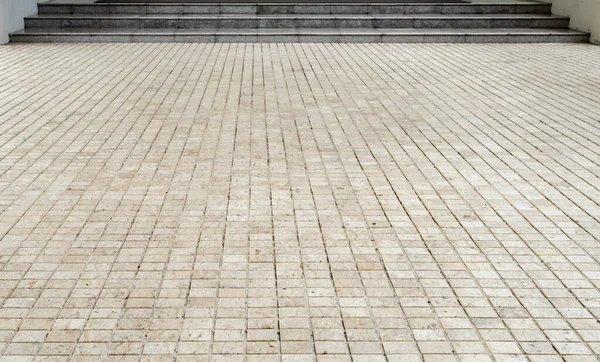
x=333, y=35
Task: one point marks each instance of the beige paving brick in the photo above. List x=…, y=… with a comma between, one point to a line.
x=299, y=202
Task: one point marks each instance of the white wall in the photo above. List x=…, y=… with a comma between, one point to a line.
x=584, y=14
x=12, y=13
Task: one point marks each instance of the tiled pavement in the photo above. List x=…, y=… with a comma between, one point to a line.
x=299, y=202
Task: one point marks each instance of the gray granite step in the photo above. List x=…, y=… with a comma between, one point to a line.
x=297, y=21
x=507, y=21
x=299, y=8
x=514, y=35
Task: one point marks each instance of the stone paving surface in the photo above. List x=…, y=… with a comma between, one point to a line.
x=299, y=202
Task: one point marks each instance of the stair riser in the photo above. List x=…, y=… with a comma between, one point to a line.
x=296, y=23
x=67, y=38
x=297, y=9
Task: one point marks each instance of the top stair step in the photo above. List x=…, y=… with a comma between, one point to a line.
x=297, y=8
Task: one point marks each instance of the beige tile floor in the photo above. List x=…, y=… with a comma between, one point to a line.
x=299, y=202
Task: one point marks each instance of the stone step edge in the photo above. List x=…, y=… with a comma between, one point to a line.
x=296, y=31
x=312, y=38
x=303, y=16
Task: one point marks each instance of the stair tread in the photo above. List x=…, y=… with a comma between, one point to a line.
x=183, y=3
x=296, y=16
x=292, y=31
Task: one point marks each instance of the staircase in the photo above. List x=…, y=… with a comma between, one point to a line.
x=519, y=21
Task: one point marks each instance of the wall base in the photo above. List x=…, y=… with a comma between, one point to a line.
x=12, y=13
x=584, y=14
